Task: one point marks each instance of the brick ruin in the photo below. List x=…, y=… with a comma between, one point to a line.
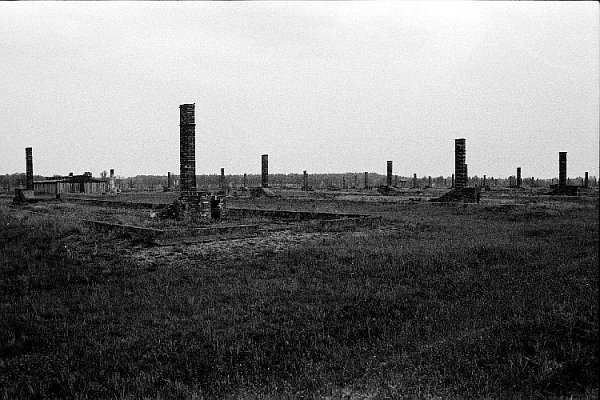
x=222, y=184
x=515, y=181
x=562, y=188
x=28, y=168
x=193, y=201
x=460, y=191
x=460, y=167
x=263, y=189
x=305, y=181
x=388, y=188
x=264, y=179
x=562, y=169
x=187, y=150
x=26, y=195
x=112, y=187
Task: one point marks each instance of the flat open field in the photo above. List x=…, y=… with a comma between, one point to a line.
x=497, y=299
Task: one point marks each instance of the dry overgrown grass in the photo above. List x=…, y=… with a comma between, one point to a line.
x=448, y=301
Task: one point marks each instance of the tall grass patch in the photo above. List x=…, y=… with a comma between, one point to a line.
x=440, y=301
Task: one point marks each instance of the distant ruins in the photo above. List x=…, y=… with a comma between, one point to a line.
x=460, y=166
x=460, y=192
x=462, y=189
x=305, y=182
x=263, y=189
x=264, y=181
x=26, y=195
x=222, y=184
x=563, y=189
x=387, y=189
x=112, y=188
x=57, y=185
x=29, y=168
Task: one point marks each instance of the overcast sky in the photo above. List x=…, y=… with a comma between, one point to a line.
x=319, y=86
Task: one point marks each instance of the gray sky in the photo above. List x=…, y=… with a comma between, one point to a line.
x=323, y=87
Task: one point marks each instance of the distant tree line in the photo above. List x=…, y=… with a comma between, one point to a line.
x=11, y=181
x=328, y=181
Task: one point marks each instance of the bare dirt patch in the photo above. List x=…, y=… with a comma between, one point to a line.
x=227, y=249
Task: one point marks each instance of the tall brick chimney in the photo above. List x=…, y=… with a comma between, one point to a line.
x=460, y=167
x=187, y=148
x=28, y=168
x=562, y=168
x=305, y=181
x=265, y=171
x=586, y=181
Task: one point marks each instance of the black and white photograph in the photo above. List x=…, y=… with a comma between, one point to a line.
x=299, y=199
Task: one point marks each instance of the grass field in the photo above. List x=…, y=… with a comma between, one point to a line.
x=438, y=301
